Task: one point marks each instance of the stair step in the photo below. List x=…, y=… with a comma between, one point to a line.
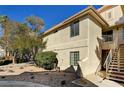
x=116, y=65
x=116, y=75
x=113, y=72
x=122, y=67
x=117, y=60
x=116, y=79
x=116, y=68
x=116, y=72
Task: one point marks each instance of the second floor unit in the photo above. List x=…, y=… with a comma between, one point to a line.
x=77, y=38
x=113, y=14
x=77, y=31
x=87, y=26
x=113, y=37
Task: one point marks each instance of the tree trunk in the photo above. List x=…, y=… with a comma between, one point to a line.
x=13, y=58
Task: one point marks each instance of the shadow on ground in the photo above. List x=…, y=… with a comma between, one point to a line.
x=80, y=81
x=50, y=78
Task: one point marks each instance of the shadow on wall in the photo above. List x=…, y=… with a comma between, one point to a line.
x=120, y=21
x=98, y=52
x=70, y=69
x=80, y=80
x=77, y=72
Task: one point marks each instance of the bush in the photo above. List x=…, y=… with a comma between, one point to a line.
x=1, y=62
x=46, y=60
x=19, y=60
x=5, y=62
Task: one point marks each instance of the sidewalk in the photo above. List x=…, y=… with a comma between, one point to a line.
x=95, y=81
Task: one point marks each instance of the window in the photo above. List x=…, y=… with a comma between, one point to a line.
x=108, y=36
x=74, y=29
x=74, y=58
x=109, y=15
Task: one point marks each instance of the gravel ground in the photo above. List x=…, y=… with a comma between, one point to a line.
x=33, y=74
x=53, y=79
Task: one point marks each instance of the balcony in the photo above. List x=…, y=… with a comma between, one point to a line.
x=108, y=42
x=107, y=38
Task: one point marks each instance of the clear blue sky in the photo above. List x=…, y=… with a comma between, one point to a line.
x=51, y=15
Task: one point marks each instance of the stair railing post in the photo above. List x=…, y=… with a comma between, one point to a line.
x=108, y=60
x=119, y=59
x=106, y=68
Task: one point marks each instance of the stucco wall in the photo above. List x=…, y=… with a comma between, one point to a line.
x=120, y=36
x=63, y=44
x=94, y=51
x=116, y=14
x=95, y=33
x=87, y=43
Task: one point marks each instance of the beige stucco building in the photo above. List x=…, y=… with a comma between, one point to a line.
x=86, y=39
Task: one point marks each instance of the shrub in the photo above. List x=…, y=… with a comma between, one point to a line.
x=46, y=60
x=1, y=62
x=5, y=62
x=21, y=60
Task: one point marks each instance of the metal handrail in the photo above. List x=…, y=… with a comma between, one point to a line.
x=118, y=58
x=108, y=60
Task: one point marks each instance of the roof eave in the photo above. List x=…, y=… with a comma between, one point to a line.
x=89, y=10
x=114, y=27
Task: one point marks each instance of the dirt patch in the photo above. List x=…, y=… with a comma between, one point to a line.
x=31, y=73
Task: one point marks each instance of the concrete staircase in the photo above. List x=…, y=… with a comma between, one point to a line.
x=116, y=66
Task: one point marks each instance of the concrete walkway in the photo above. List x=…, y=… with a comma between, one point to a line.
x=19, y=84
x=95, y=81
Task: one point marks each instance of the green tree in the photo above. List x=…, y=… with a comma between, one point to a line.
x=6, y=25
x=35, y=24
x=23, y=39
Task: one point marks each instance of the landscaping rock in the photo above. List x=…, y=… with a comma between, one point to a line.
x=11, y=71
x=63, y=83
x=1, y=70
